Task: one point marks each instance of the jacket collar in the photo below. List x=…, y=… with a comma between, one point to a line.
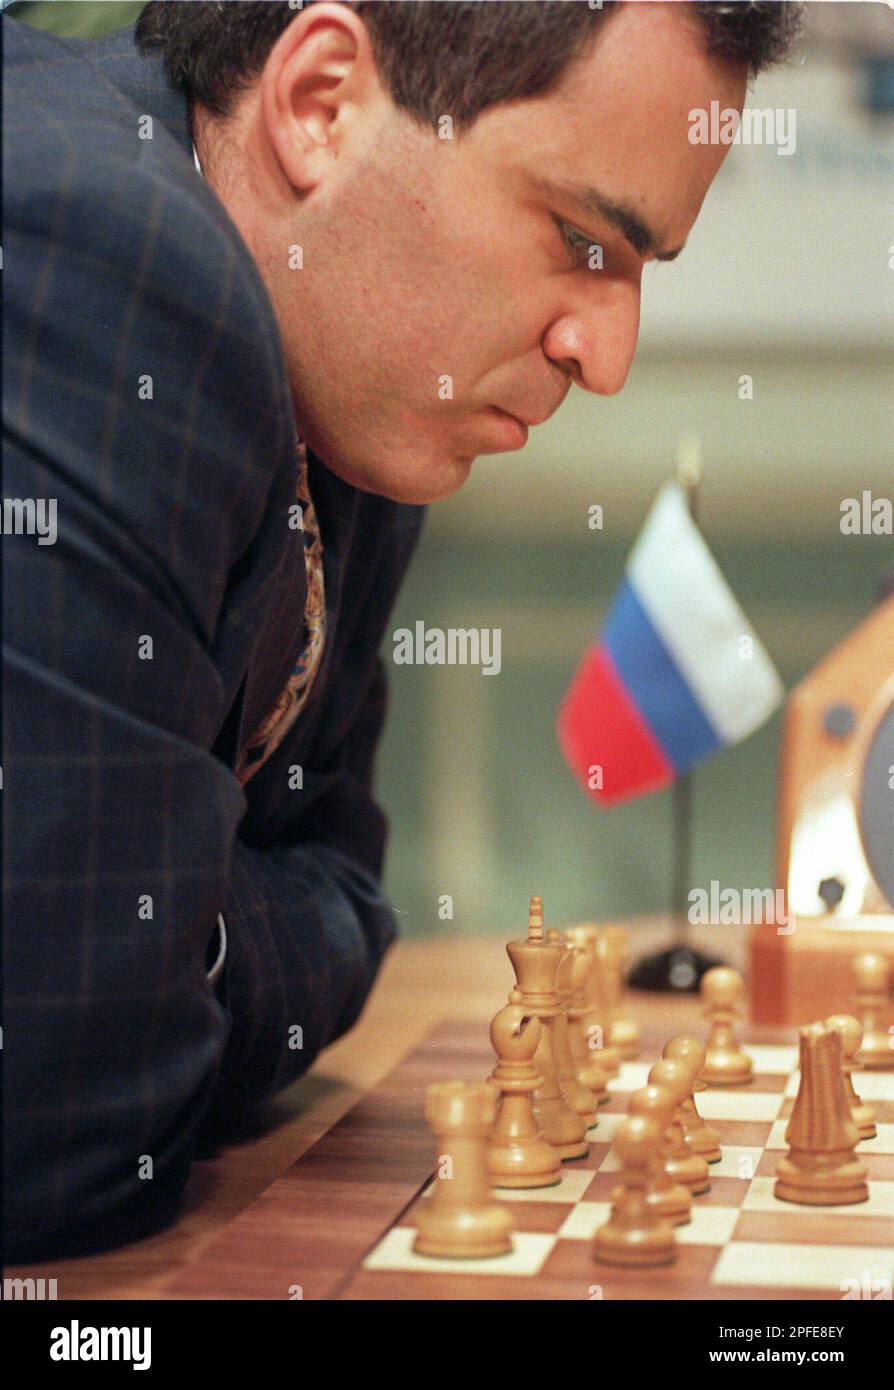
x=143, y=80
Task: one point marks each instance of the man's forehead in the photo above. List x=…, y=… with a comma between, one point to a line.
x=628, y=101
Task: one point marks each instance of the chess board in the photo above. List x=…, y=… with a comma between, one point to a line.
x=340, y=1223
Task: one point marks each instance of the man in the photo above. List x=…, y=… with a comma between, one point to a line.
x=273, y=279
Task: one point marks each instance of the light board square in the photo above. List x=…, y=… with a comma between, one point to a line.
x=631, y=1076
x=709, y=1226
x=828, y=1267
x=739, y=1105
x=771, y=1060
x=583, y=1221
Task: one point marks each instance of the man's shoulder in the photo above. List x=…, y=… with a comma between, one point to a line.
x=95, y=177
x=44, y=71
x=74, y=132
x=143, y=354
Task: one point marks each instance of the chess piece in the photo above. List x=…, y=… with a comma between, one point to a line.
x=612, y=951
x=517, y=1153
x=670, y=1199
x=576, y=1094
x=821, y=1168
x=593, y=1022
x=588, y=1068
x=862, y=1115
x=635, y=1234
x=703, y=1137
x=725, y=1062
x=683, y=1164
x=460, y=1219
x=872, y=974
x=536, y=962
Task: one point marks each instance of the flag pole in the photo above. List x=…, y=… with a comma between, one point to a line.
x=689, y=476
x=679, y=969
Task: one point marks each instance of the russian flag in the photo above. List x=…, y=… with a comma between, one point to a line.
x=677, y=672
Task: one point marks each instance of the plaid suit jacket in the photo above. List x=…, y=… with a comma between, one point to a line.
x=146, y=396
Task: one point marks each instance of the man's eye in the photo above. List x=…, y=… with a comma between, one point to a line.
x=576, y=243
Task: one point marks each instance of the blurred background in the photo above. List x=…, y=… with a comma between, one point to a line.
x=787, y=277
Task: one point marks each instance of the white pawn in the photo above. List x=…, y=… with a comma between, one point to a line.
x=725, y=1062
x=635, y=1233
x=862, y=1114
x=872, y=974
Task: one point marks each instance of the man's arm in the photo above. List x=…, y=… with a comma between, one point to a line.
x=313, y=849
x=307, y=924
x=121, y=847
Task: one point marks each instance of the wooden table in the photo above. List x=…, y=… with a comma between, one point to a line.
x=422, y=984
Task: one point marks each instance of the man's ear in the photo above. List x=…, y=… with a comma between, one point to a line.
x=320, y=71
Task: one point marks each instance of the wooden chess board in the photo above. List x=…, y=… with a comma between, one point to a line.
x=340, y=1223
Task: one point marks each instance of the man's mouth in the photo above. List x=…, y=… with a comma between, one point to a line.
x=513, y=430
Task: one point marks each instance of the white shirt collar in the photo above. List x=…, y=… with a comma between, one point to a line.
x=196, y=158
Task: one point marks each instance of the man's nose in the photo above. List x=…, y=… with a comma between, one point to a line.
x=594, y=342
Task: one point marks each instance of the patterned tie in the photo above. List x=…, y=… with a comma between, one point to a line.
x=273, y=729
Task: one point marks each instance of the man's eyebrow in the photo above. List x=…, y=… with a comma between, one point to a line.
x=641, y=237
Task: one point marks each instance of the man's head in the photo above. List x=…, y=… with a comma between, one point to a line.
x=424, y=157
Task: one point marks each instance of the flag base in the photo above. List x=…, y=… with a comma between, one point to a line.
x=676, y=971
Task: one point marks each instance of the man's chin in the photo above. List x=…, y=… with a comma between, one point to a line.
x=441, y=480
x=420, y=486
x=414, y=481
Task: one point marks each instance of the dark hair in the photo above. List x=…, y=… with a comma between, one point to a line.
x=435, y=57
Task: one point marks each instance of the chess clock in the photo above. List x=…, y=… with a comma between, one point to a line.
x=835, y=831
